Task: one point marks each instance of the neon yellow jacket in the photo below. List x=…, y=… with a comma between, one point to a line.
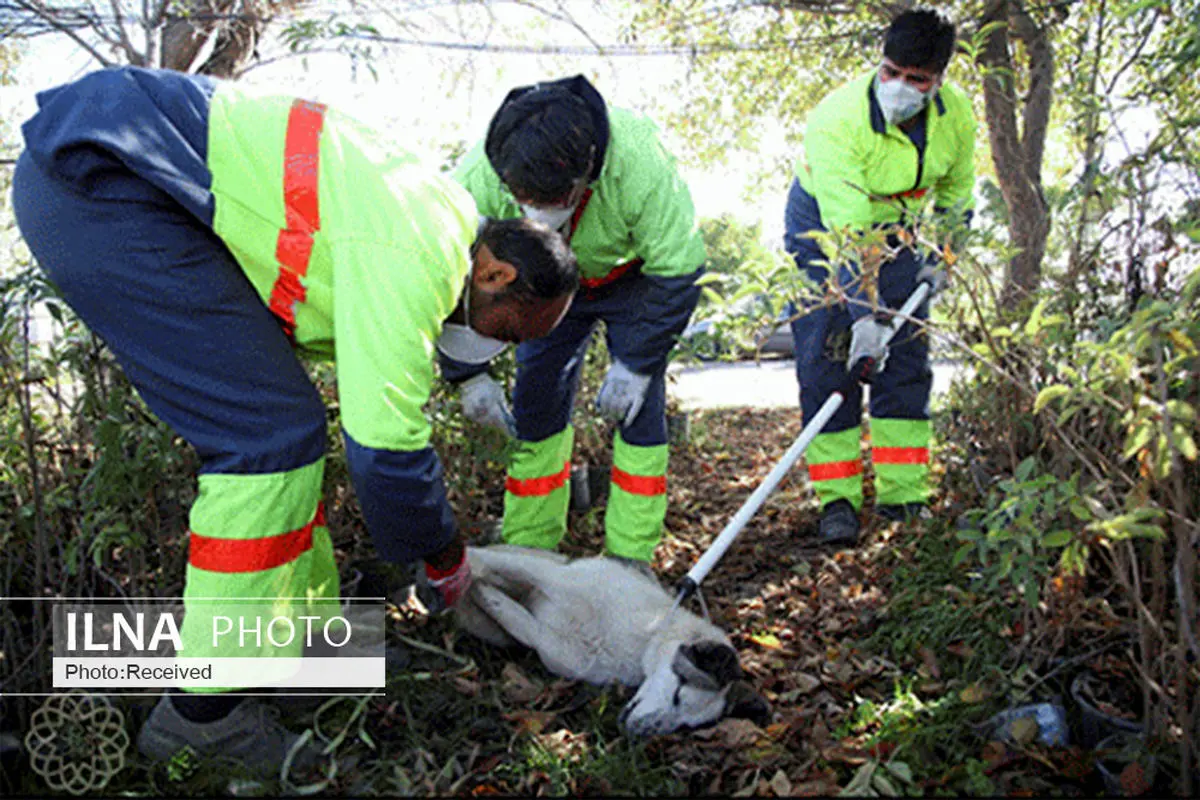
x=849, y=148
x=640, y=207
x=391, y=246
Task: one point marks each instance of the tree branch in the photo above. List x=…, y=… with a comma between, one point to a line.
x=50, y=17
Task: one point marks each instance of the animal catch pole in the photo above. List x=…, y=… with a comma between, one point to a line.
x=691, y=582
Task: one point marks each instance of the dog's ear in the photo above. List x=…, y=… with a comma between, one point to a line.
x=743, y=702
x=708, y=662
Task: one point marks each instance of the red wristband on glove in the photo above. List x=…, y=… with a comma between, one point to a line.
x=451, y=584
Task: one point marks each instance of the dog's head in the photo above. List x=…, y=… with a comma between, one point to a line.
x=688, y=685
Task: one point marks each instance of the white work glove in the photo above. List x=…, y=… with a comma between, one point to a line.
x=483, y=401
x=934, y=276
x=868, y=340
x=621, y=396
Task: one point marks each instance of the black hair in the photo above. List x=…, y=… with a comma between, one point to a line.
x=546, y=267
x=542, y=142
x=922, y=38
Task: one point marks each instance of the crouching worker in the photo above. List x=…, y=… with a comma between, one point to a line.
x=557, y=153
x=213, y=237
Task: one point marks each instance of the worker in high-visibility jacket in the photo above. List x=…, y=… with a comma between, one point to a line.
x=876, y=150
x=555, y=152
x=212, y=236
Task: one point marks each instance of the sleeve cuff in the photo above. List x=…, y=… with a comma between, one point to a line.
x=403, y=500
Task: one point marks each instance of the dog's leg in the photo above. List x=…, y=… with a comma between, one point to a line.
x=510, y=615
x=511, y=568
x=555, y=650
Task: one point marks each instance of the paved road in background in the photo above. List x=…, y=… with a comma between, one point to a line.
x=768, y=384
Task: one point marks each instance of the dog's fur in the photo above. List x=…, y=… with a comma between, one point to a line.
x=601, y=621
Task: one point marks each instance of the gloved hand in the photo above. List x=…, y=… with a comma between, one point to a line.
x=868, y=348
x=451, y=582
x=621, y=396
x=483, y=401
x=935, y=276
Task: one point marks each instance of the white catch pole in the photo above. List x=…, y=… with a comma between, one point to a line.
x=712, y=555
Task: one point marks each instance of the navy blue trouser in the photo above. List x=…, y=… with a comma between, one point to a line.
x=899, y=396
x=179, y=315
x=210, y=360
x=548, y=368
x=535, y=504
x=822, y=335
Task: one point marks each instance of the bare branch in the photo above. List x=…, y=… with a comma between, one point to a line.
x=123, y=40
x=51, y=18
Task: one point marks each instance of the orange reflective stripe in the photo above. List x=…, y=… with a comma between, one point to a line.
x=833, y=470
x=646, y=485
x=252, y=555
x=618, y=271
x=293, y=248
x=538, y=487
x=900, y=455
x=916, y=194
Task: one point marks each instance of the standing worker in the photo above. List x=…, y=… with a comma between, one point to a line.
x=555, y=153
x=213, y=236
x=875, y=150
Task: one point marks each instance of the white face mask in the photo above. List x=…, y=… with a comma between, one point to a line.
x=898, y=101
x=553, y=218
x=461, y=343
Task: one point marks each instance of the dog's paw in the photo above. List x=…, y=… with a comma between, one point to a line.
x=472, y=616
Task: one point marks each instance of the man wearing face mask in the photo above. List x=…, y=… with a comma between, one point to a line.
x=554, y=152
x=214, y=237
x=875, y=150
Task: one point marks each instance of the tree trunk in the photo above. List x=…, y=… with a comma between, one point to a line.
x=1017, y=154
x=233, y=27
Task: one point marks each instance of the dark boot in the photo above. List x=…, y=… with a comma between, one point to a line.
x=839, y=524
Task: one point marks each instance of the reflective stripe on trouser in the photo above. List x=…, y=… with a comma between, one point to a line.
x=637, y=500
x=900, y=453
x=537, y=491
x=835, y=466
x=258, y=536
x=209, y=359
x=548, y=371
x=899, y=395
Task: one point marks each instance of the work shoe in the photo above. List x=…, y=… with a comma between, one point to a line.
x=839, y=524
x=250, y=734
x=640, y=566
x=902, y=512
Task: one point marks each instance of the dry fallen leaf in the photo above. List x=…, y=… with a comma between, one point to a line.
x=930, y=662
x=973, y=694
x=564, y=745
x=731, y=733
x=530, y=721
x=960, y=649
x=780, y=785
x=518, y=688
x=1024, y=730
x=767, y=640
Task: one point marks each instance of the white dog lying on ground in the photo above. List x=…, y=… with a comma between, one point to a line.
x=601, y=621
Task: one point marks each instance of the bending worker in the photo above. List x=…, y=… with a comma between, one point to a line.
x=212, y=237
x=555, y=153
x=876, y=151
